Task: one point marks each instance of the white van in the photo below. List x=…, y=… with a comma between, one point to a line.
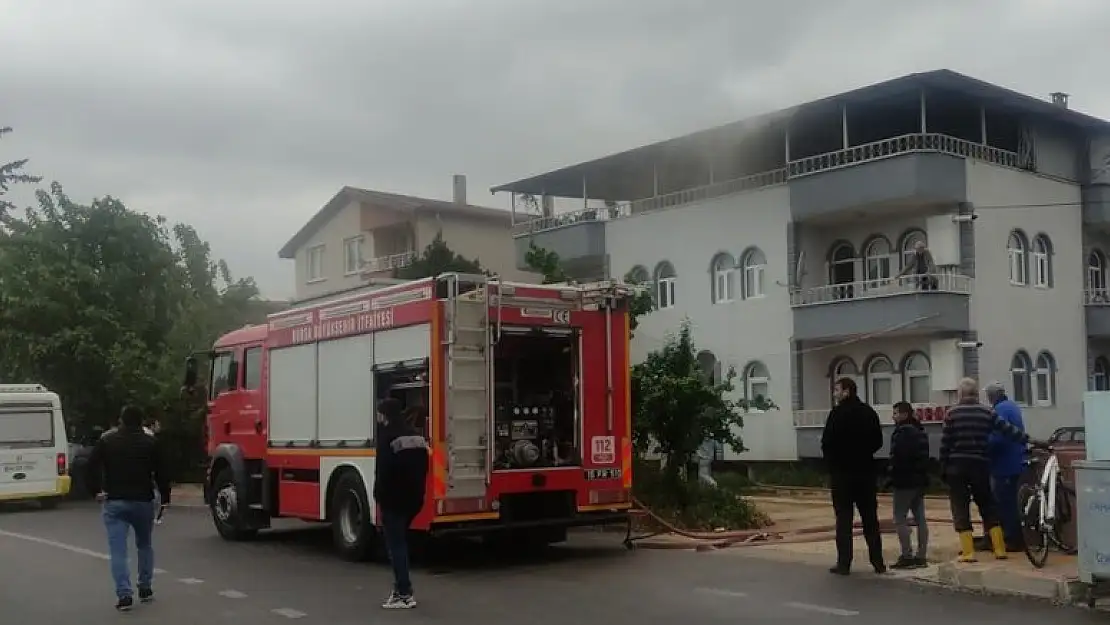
x=34, y=451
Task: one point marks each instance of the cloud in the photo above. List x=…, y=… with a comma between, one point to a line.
x=244, y=117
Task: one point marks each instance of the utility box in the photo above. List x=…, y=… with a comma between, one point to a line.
x=1092, y=512
x=1096, y=423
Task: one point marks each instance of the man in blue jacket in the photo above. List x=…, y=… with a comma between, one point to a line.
x=1007, y=461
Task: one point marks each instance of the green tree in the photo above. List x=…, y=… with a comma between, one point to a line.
x=676, y=407
x=436, y=259
x=11, y=173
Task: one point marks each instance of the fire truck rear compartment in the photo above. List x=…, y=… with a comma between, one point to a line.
x=536, y=417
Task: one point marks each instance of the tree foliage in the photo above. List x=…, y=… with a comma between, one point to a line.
x=437, y=258
x=11, y=173
x=102, y=304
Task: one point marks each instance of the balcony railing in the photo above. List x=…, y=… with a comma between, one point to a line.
x=880, y=288
x=1096, y=297
x=388, y=263
x=855, y=155
x=926, y=413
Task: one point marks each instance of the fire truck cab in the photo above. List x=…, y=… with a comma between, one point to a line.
x=522, y=391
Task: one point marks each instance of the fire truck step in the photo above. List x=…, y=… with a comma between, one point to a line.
x=469, y=389
x=470, y=329
x=465, y=358
x=466, y=447
x=468, y=417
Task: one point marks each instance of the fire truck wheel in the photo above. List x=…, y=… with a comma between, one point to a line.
x=352, y=532
x=226, y=514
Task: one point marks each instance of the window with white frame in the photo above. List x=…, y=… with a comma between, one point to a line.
x=724, y=267
x=755, y=269
x=876, y=261
x=314, y=259
x=1042, y=261
x=665, y=278
x=1096, y=277
x=757, y=382
x=844, y=368
x=909, y=246
x=352, y=255
x=1100, y=374
x=880, y=381
x=1045, y=379
x=1021, y=378
x=917, y=374
x=1016, y=248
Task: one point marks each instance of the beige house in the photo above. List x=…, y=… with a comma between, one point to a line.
x=361, y=236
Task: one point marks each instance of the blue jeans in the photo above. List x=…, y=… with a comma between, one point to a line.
x=1006, y=496
x=119, y=517
x=395, y=526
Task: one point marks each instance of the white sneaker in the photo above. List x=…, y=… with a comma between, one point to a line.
x=399, y=602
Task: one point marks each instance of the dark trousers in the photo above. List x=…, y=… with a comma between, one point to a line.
x=967, y=482
x=395, y=526
x=853, y=492
x=1005, y=491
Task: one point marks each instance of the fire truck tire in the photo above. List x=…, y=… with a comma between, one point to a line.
x=226, y=513
x=354, y=535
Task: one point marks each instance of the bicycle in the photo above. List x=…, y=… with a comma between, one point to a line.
x=1045, y=507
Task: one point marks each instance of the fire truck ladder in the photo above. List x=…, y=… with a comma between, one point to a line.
x=468, y=394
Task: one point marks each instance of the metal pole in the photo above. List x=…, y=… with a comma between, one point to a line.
x=921, y=103
x=585, y=200
x=654, y=180
x=983, y=124
x=512, y=207
x=844, y=126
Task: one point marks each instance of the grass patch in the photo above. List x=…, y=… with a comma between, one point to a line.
x=694, y=506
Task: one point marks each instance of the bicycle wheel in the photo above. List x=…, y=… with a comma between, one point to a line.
x=1033, y=535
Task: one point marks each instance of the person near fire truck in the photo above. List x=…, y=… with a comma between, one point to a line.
x=1007, y=458
x=851, y=437
x=399, y=484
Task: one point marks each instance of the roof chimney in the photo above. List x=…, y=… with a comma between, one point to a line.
x=1059, y=98
x=459, y=181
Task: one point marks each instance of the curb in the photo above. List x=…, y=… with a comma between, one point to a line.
x=1060, y=591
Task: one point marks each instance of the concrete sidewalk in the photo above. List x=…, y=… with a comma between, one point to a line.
x=1057, y=582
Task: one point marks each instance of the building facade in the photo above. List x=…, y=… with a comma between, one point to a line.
x=363, y=236
x=783, y=240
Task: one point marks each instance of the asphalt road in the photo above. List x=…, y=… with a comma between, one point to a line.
x=53, y=570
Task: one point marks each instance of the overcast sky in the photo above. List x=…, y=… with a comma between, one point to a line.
x=243, y=117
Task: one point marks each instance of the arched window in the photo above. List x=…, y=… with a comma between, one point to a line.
x=757, y=382
x=876, y=261
x=665, y=277
x=1100, y=374
x=1016, y=248
x=917, y=374
x=709, y=366
x=723, y=268
x=1021, y=378
x=638, y=275
x=1042, y=261
x=880, y=381
x=908, y=245
x=843, y=367
x=1045, y=379
x=1096, y=277
x=755, y=269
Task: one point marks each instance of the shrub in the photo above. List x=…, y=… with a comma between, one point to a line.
x=690, y=505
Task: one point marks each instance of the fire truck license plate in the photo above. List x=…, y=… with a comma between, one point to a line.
x=603, y=474
x=603, y=450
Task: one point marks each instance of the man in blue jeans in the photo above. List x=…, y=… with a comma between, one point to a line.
x=124, y=468
x=400, y=473
x=1007, y=460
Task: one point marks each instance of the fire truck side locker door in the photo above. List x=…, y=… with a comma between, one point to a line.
x=467, y=392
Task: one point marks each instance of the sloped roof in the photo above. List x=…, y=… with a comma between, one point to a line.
x=390, y=201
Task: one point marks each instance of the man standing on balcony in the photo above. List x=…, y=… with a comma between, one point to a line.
x=1007, y=459
x=851, y=437
x=923, y=268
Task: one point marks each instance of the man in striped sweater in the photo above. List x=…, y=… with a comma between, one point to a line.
x=965, y=464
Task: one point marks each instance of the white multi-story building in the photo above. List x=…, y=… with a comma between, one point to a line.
x=781, y=239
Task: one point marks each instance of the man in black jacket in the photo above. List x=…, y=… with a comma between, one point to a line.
x=124, y=468
x=909, y=476
x=849, y=441
x=400, y=475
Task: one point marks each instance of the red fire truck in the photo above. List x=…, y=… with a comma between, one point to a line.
x=525, y=387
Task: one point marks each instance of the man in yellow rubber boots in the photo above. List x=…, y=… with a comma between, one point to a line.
x=965, y=465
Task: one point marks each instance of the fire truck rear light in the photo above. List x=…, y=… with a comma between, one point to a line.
x=601, y=497
x=463, y=506
x=60, y=461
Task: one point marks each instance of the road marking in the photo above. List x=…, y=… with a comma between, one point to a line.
x=721, y=592
x=289, y=613
x=192, y=581
x=65, y=547
x=810, y=607
x=233, y=594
